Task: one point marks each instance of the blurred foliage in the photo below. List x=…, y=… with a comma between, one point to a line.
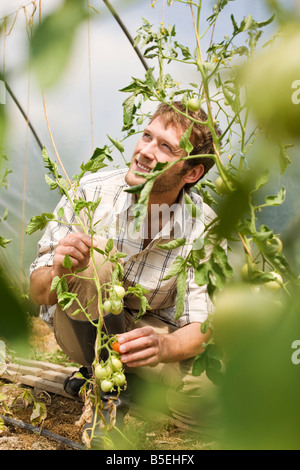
x=14, y=318
x=274, y=82
x=52, y=40
x=259, y=393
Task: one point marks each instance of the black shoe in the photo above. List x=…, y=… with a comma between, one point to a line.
x=73, y=384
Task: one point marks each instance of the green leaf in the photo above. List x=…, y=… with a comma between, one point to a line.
x=181, y=291
x=264, y=233
x=262, y=24
x=247, y=23
x=54, y=283
x=185, y=143
x=195, y=256
x=61, y=287
x=220, y=257
x=53, y=184
x=80, y=204
x=204, y=326
x=235, y=25
x=129, y=109
x=193, y=210
x=99, y=250
x=276, y=200
x=60, y=213
x=262, y=180
x=38, y=222
x=214, y=352
x=202, y=274
x=66, y=299
x=4, y=241
x=109, y=246
x=172, y=244
x=140, y=209
x=199, y=365
x=143, y=307
x=102, y=152
x=175, y=268
x=39, y=413
x=117, y=144
x=284, y=158
x=67, y=262
x=49, y=164
x=94, y=164
x=214, y=373
x=135, y=189
x=117, y=256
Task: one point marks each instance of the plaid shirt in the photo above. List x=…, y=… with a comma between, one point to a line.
x=146, y=267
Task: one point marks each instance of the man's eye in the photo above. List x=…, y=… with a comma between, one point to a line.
x=167, y=147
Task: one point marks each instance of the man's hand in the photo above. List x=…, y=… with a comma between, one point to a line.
x=141, y=347
x=144, y=347
x=77, y=246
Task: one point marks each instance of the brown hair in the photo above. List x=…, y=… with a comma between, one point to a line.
x=201, y=137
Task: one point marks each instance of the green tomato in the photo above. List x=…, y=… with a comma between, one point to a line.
x=119, y=379
x=120, y=291
x=116, y=364
x=102, y=372
x=276, y=243
x=274, y=286
x=194, y=104
x=107, y=306
x=107, y=385
x=116, y=307
x=221, y=186
x=245, y=271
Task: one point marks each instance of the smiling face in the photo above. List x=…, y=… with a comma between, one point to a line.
x=158, y=144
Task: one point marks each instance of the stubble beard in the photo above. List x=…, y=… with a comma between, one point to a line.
x=162, y=184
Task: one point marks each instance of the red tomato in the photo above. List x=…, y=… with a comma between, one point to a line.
x=116, y=346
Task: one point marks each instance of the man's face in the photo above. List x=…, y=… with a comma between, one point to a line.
x=158, y=144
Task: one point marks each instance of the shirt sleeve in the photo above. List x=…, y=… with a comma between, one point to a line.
x=198, y=304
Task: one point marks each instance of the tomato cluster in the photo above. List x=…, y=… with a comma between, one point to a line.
x=114, y=303
x=110, y=373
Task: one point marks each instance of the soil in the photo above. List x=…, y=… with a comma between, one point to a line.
x=63, y=414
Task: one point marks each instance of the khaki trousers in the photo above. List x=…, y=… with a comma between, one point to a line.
x=190, y=399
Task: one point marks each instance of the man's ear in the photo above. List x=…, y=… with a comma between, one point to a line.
x=194, y=174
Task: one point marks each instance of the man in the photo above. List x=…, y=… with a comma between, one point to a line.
x=156, y=348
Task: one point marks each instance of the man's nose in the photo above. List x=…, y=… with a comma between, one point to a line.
x=148, y=150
